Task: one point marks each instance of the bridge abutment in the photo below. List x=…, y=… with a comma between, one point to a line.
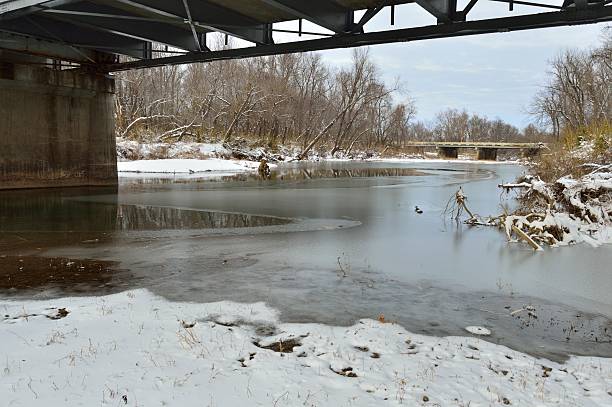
x=487, y=154
x=448, y=152
x=56, y=127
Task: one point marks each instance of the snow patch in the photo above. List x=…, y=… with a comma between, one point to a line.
x=135, y=348
x=478, y=330
x=185, y=166
x=129, y=150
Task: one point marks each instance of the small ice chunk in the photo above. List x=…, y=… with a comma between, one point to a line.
x=478, y=330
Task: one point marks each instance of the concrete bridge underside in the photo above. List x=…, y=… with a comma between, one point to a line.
x=485, y=150
x=56, y=128
x=484, y=153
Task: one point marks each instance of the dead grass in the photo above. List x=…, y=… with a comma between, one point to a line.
x=574, y=149
x=159, y=153
x=558, y=162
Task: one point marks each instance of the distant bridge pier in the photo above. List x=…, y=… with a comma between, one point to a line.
x=487, y=154
x=448, y=152
x=56, y=127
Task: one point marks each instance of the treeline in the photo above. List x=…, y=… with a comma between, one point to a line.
x=459, y=125
x=287, y=99
x=576, y=104
x=578, y=96
x=276, y=100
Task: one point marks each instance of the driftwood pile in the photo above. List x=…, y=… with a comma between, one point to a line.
x=240, y=150
x=565, y=212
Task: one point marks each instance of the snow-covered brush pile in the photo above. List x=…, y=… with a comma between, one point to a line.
x=564, y=212
x=238, y=149
x=129, y=150
x=241, y=149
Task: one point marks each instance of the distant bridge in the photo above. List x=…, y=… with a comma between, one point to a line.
x=486, y=150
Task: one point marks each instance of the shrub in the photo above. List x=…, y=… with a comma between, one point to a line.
x=577, y=147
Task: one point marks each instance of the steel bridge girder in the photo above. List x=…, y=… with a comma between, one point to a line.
x=206, y=16
x=322, y=13
x=140, y=30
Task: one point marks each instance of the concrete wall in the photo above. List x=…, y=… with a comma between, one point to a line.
x=448, y=152
x=487, y=154
x=56, y=128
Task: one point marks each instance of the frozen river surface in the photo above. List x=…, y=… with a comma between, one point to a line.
x=329, y=242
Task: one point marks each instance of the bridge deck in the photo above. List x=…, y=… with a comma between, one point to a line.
x=476, y=144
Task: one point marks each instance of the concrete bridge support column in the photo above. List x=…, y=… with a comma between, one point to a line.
x=487, y=154
x=56, y=128
x=448, y=152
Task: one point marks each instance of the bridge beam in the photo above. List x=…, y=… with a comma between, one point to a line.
x=202, y=15
x=73, y=36
x=56, y=127
x=486, y=153
x=487, y=26
x=448, y=152
x=329, y=15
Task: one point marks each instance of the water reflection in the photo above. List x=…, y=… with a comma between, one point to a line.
x=297, y=172
x=137, y=217
x=60, y=211
x=57, y=210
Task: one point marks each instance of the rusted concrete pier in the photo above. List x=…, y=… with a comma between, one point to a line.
x=487, y=154
x=56, y=127
x=448, y=152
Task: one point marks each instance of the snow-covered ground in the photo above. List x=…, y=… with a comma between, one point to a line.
x=137, y=349
x=217, y=166
x=129, y=150
x=182, y=159
x=185, y=166
x=214, y=159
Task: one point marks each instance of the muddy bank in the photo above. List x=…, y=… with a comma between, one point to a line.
x=27, y=274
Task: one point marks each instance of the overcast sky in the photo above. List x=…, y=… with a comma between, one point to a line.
x=495, y=74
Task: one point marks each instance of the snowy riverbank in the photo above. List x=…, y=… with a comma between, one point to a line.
x=214, y=166
x=137, y=349
x=140, y=159
x=129, y=150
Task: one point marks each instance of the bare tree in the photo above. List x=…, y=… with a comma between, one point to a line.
x=579, y=92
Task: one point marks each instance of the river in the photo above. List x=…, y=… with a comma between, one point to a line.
x=329, y=242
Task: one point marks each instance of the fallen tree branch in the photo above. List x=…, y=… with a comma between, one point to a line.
x=143, y=119
x=526, y=238
x=511, y=185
